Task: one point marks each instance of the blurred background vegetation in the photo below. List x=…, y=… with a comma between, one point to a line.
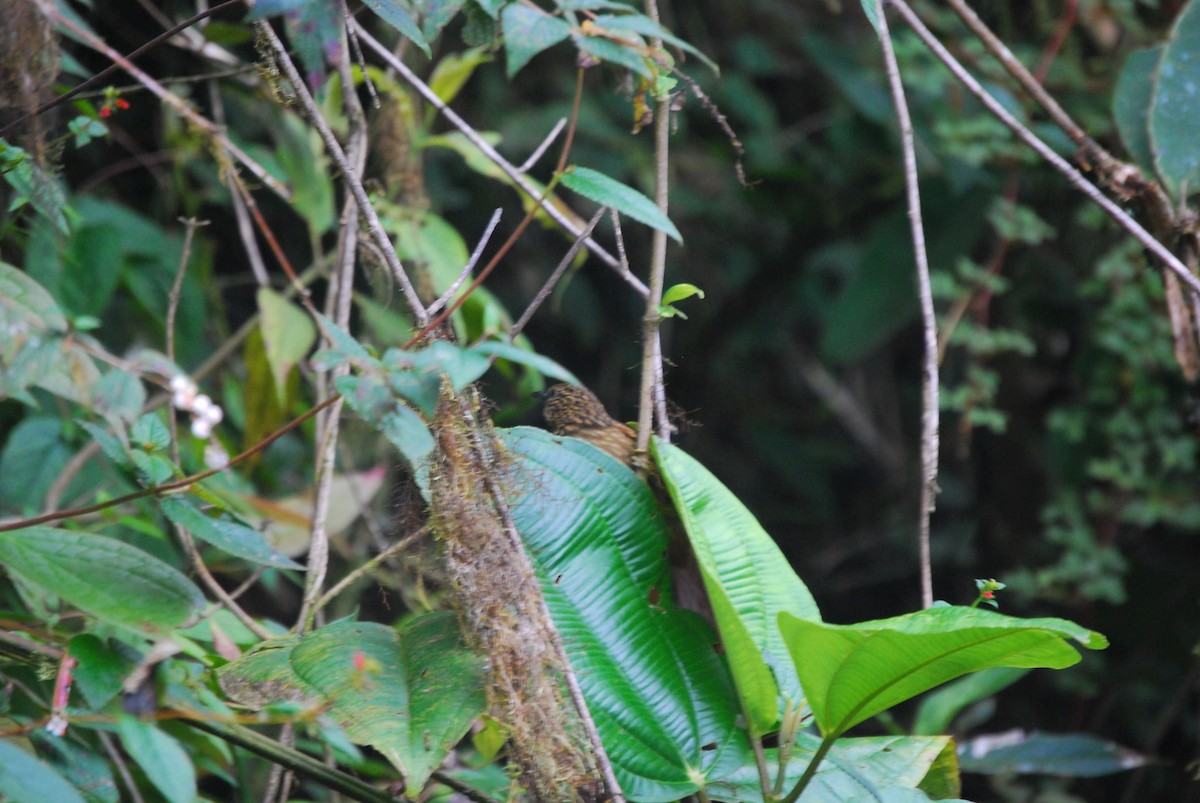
x=1068, y=439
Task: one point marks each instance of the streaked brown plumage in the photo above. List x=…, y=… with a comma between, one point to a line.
x=575, y=411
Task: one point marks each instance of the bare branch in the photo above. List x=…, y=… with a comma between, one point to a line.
x=1072, y=175
x=349, y=174
x=470, y=266
x=929, y=398
x=572, y=226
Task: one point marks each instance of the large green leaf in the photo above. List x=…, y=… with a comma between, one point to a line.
x=652, y=678
x=621, y=197
x=24, y=778
x=748, y=580
x=398, y=16
x=850, y=673
x=102, y=576
x=411, y=694
x=1176, y=105
x=853, y=768
x=225, y=533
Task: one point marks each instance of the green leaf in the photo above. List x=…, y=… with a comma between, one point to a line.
x=345, y=344
x=223, y=532
x=101, y=576
x=25, y=306
x=850, y=673
x=748, y=580
x=1131, y=103
x=640, y=24
x=263, y=676
x=25, y=778
x=396, y=15
x=408, y=432
x=626, y=200
x=1176, y=105
x=149, y=432
x=33, y=457
x=435, y=14
x=165, y=763
x=1074, y=755
x=605, y=50
x=411, y=694
x=871, y=9
x=33, y=185
x=101, y=670
x=454, y=70
x=491, y=7
x=678, y=292
x=939, y=708
x=649, y=671
x=876, y=762
x=528, y=31
x=119, y=397
x=92, y=268
x=514, y=353
x=288, y=333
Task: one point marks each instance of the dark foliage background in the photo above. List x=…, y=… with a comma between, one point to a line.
x=1069, y=438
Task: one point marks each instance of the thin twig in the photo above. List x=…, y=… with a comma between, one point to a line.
x=351, y=177
x=1072, y=175
x=390, y=552
x=929, y=398
x=174, y=101
x=241, y=215
x=342, y=288
x=573, y=226
x=537, y=153
x=470, y=266
x=185, y=537
x=652, y=373
x=563, y=264
x=114, y=755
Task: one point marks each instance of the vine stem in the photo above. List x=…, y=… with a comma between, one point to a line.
x=1077, y=179
x=929, y=396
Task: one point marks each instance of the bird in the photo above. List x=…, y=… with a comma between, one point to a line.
x=576, y=412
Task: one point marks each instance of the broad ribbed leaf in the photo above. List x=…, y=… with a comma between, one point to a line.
x=655, y=686
x=850, y=673
x=748, y=580
x=102, y=576
x=1176, y=105
x=411, y=694
x=854, y=768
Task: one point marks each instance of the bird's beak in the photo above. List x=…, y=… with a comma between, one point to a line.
x=538, y=394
